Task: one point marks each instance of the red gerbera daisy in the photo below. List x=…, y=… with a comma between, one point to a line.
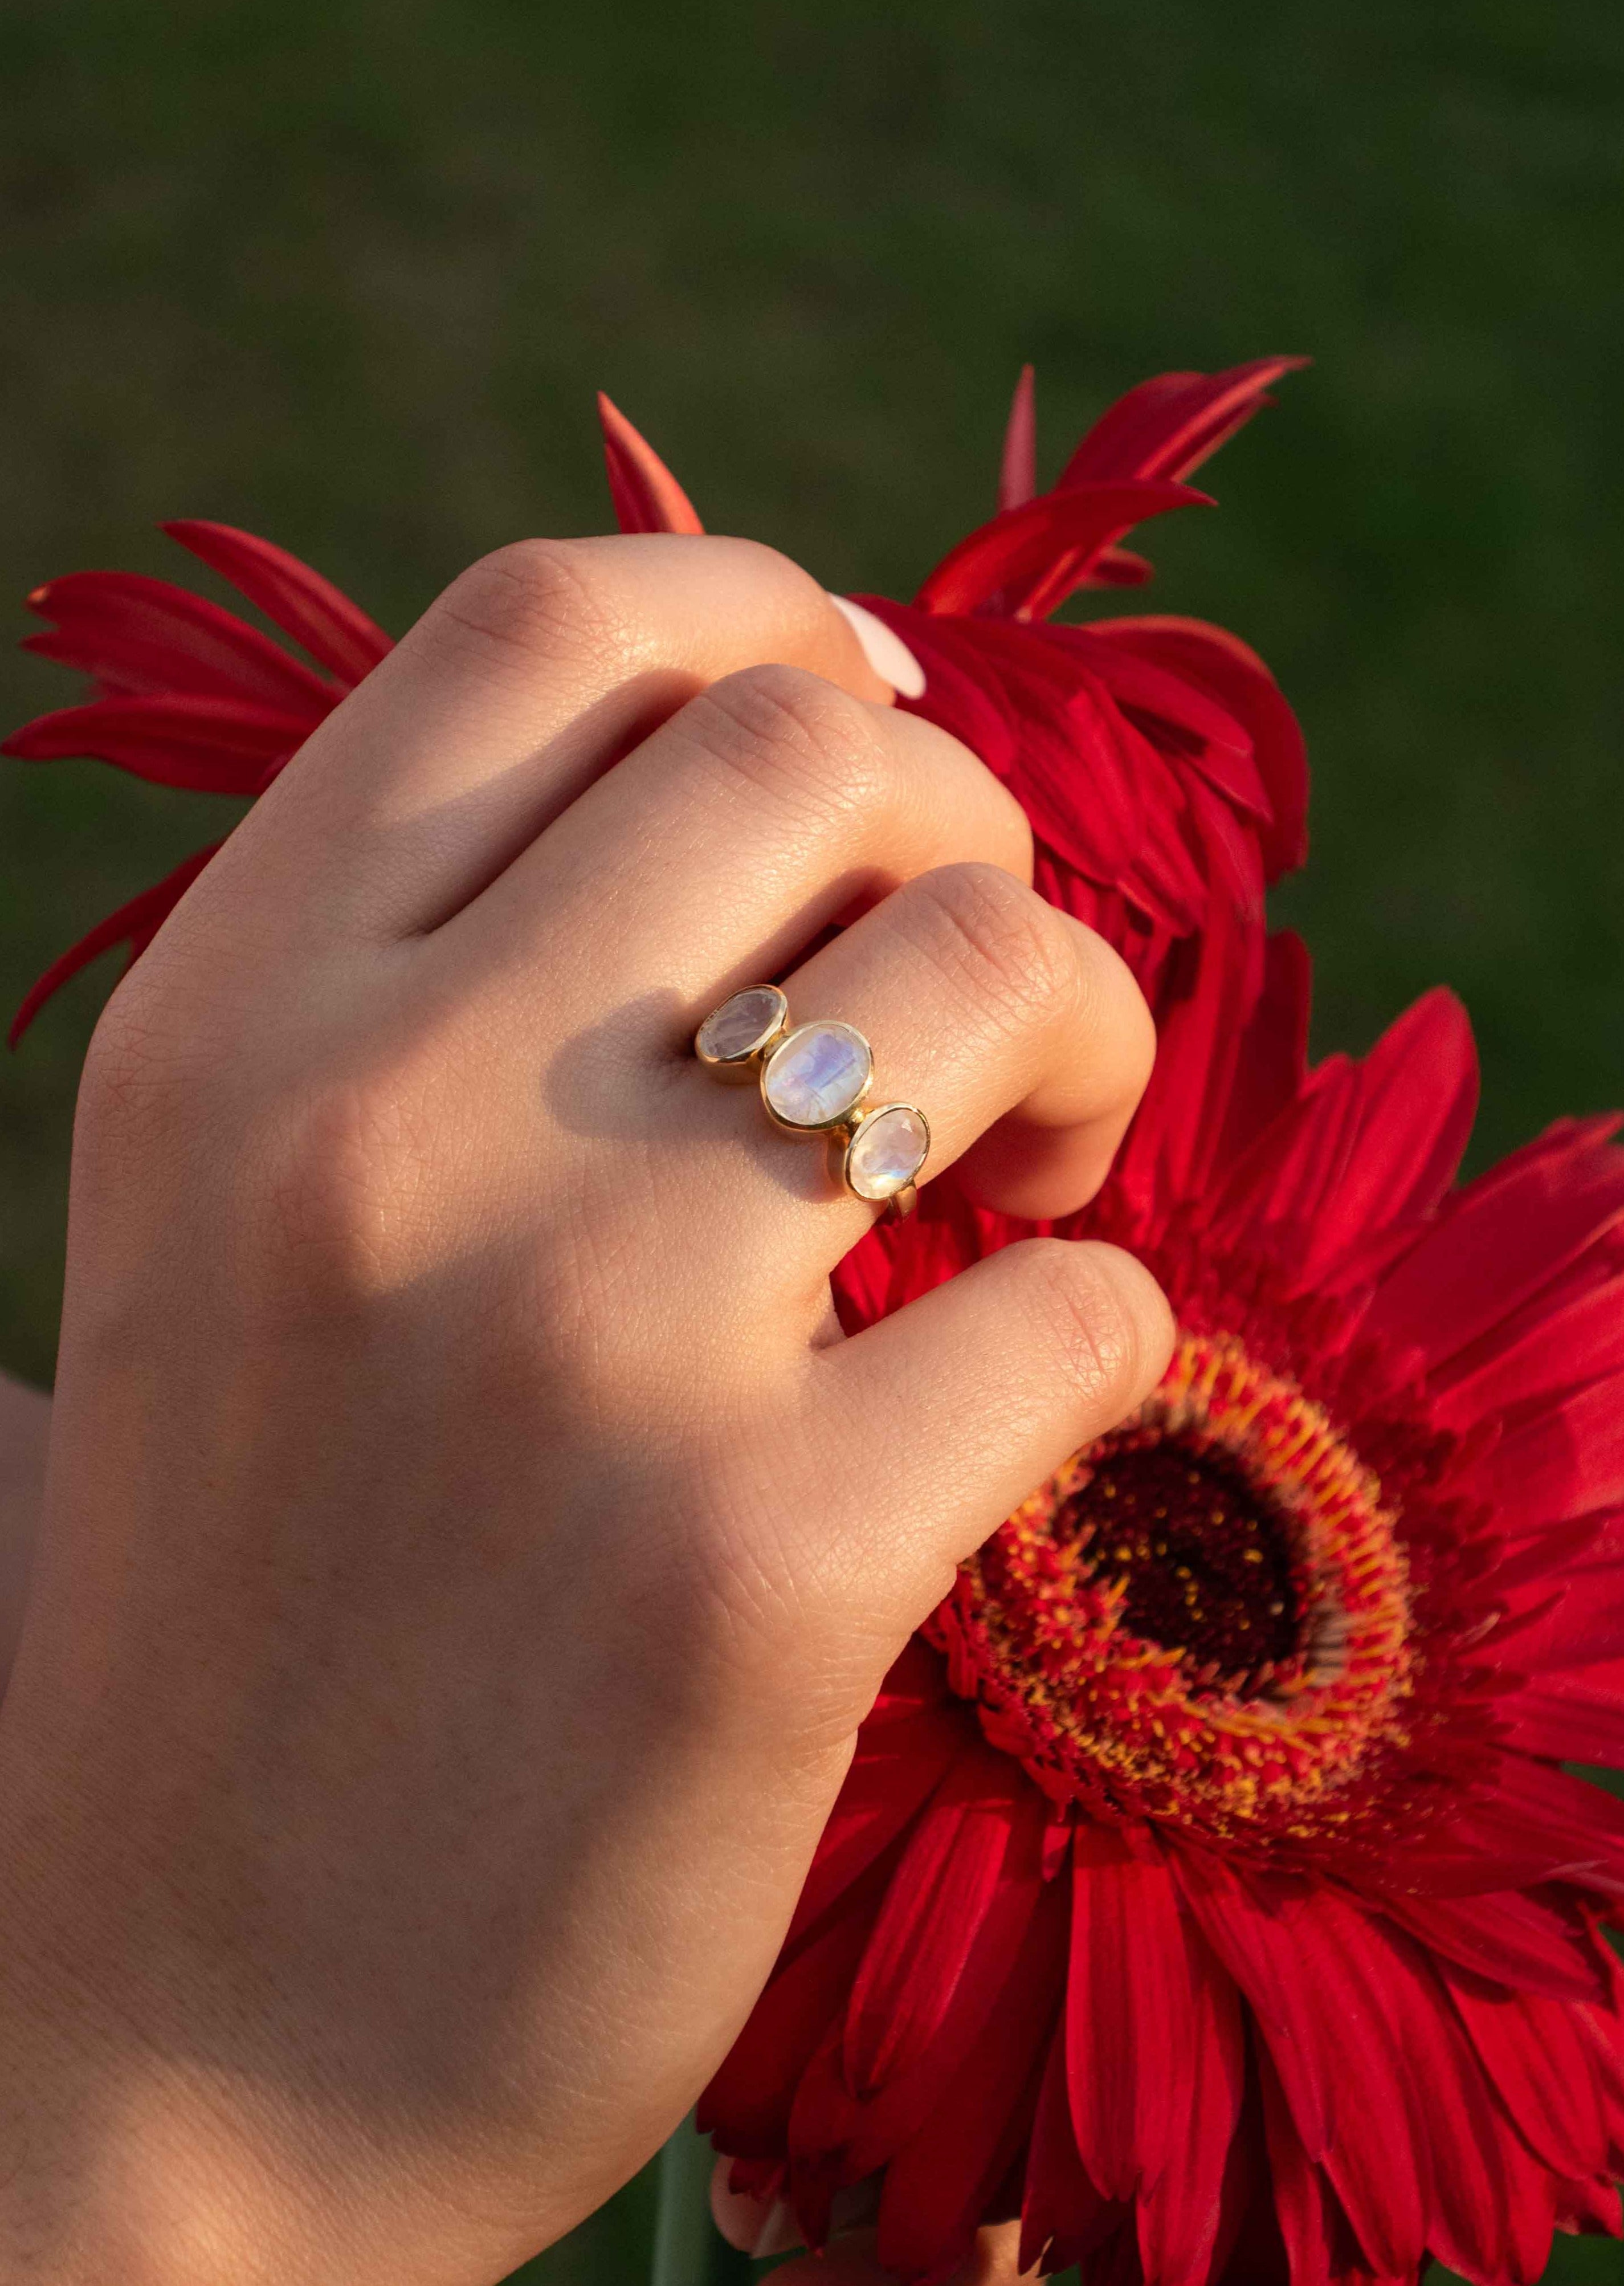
x=1157, y=758
x=1208, y=1889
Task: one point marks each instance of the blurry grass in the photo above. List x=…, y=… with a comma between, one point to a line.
x=347, y=273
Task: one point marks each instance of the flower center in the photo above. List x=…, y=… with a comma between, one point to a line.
x=1204, y=1563
x=1202, y=1617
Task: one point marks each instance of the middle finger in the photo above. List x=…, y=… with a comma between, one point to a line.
x=715, y=853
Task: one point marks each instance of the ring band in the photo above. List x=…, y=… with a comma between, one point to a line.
x=816, y=1080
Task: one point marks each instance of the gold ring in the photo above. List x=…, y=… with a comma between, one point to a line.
x=816, y=1081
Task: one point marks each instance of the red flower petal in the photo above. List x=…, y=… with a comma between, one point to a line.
x=944, y=1886
x=1311, y=2223
x=1560, y=1461
x=1363, y=1152
x=135, y=925
x=1542, y=2071
x=1018, y=470
x=1154, y=2053
x=1341, y=1980
x=1220, y=663
x=1254, y=1937
x=1502, y=1240
x=137, y=636
x=858, y=2131
x=748, y=2102
x=1168, y=425
x=1015, y=547
x=938, y=2185
x=319, y=617
x=1506, y=1935
x=647, y=497
x=1577, y=1718
x=1064, y=2215
x=210, y=746
x=885, y=1789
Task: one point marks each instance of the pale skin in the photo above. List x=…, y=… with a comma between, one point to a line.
x=469, y=1546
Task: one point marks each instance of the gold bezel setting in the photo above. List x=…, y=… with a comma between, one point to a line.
x=758, y=1053
x=903, y=1198
x=742, y=1064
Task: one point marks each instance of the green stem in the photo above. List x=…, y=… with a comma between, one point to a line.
x=684, y=2235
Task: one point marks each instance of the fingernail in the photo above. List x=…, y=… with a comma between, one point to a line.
x=887, y=653
x=777, y=2233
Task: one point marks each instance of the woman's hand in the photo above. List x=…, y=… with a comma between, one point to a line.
x=24, y=1433
x=471, y=1548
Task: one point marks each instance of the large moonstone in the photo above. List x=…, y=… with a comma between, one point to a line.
x=740, y=1025
x=817, y=1075
x=887, y=1152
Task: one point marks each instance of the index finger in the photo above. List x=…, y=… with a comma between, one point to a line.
x=534, y=673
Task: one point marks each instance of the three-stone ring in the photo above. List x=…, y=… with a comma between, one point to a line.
x=816, y=1080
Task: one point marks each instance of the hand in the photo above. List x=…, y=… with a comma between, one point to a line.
x=24, y=1432
x=470, y=1548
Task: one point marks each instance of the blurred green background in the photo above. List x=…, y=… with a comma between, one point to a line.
x=348, y=273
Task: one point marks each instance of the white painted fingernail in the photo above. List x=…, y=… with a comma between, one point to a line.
x=887, y=653
x=778, y=2232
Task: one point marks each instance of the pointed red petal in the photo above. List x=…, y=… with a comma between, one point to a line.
x=1118, y=567
x=896, y=1771
x=135, y=925
x=1256, y=1940
x=748, y=2104
x=1018, y=546
x=937, y=2187
x=1502, y=1240
x=926, y=1929
x=1063, y=2214
x=1167, y=426
x=859, y=2134
x=1222, y=664
x=1559, y=1342
x=1182, y=1117
x=647, y=497
x=135, y=634
x=319, y=617
x=1153, y=2052
x=1573, y=1718
x=1507, y=1935
x=1367, y=1148
x=1558, y=1462
x=210, y=746
x=1305, y=2206
x=1272, y=1060
x=1018, y=470
x=1539, y=2066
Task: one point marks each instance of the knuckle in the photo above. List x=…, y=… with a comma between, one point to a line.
x=993, y=936
x=789, y=734
x=531, y=600
x=338, y=1178
x=1095, y=1333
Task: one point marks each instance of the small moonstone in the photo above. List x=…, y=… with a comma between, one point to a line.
x=887, y=1152
x=817, y=1075
x=741, y=1024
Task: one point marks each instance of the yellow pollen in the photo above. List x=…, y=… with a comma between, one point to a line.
x=1234, y=1655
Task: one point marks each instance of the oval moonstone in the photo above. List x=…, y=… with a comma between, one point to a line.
x=740, y=1025
x=888, y=1151
x=817, y=1075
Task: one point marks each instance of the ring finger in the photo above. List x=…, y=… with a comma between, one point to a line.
x=1018, y=1032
